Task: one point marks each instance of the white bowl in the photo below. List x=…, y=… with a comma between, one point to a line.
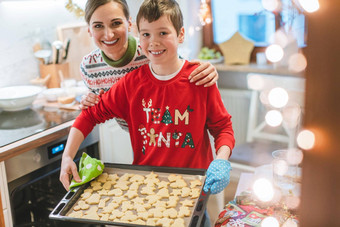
x=17, y=98
x=52, y=94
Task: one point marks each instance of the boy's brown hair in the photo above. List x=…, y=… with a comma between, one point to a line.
x=152, y=10
x=92, y=5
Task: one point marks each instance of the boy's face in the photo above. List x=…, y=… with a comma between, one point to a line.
x=159, y=40
x=109, y=29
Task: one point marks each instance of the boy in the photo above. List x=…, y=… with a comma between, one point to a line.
x=168, y=117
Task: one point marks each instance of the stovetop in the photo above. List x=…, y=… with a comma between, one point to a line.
x=17, y=125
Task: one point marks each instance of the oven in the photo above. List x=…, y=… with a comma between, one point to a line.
x=33, y=176
x=33, y=181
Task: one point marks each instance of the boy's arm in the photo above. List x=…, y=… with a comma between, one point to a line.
x=68, y=167
x=223, y=152
x=219, y=122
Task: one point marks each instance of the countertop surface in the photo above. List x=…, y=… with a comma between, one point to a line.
x=26, y=129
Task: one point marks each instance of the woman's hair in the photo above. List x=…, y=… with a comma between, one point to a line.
x=152, y=10
x=92, y=5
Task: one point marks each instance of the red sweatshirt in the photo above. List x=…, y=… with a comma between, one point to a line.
x=168, y=120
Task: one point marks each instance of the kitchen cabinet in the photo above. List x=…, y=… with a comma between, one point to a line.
x=5, y=216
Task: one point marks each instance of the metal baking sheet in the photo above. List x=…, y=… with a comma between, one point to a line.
x=66, y=205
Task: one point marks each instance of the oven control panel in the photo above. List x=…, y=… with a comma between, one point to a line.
x=42, y=156
x=56, y=149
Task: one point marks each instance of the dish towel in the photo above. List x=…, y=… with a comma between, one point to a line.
x=89, y=169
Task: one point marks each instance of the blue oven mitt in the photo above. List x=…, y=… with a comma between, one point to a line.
x=218, y=175
x=89, y=168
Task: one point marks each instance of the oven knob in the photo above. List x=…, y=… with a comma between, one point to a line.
x=37, y=157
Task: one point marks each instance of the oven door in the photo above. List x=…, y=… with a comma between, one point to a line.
x=33, y=181
x=34, y=195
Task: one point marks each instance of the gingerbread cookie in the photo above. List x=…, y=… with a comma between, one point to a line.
x=195, y=183
x=184, y=212
x=170, y=213
x=93, y=199
x=76, y=214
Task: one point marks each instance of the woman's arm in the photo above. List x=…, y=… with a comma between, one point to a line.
x=205, y=74
x=90, y=99
x=68, y=166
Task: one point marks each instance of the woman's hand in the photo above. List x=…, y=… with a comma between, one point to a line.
x=90, y=99
x=67, y=170
x=205, y=74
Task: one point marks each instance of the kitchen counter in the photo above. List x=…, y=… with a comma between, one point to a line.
x=23, y=130
x=255, y=68
x=26, y=144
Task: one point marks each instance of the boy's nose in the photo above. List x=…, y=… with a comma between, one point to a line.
x=154, y=42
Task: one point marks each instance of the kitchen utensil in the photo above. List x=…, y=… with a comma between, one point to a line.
x=41, y=81
x=57, y=47
x=43, y=54
x=17, y=98
x=66, y=205
x=66, y=48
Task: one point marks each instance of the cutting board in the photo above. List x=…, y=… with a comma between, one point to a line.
x=81, y=44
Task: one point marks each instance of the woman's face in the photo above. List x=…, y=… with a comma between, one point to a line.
x=109, y=29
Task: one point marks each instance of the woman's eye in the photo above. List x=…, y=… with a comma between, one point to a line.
x=98, y=26
x=116, y=23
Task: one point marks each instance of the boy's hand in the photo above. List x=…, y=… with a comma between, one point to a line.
x=205, y=74
x=90, y=99
x=68, y=169
x=218, y=176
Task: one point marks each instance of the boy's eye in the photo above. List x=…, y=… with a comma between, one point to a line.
x=164, y=33
x=145, y=34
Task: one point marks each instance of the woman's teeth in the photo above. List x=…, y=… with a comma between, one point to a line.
x=110, y=42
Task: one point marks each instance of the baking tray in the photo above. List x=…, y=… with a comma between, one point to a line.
x=65, y=206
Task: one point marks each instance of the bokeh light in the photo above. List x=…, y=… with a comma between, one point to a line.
x=294, y=156
x=271, y=5
x=273, y=118
x=306, y=139
x=292, y=202
x=278, y=97
x=280, y=167
x=297, y=62
x=290, y=223
x=291, y=115
x=280, y=38
x=255, y=82
x=263, y=189
x=274, y=53
x=270, y=222
x=310, y=5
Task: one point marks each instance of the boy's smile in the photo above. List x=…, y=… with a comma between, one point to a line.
x=159, y=41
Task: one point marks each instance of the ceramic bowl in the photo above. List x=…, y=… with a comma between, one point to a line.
x=16, y=98
x=52, y=94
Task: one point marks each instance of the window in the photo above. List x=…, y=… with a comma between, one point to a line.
x=253, y=21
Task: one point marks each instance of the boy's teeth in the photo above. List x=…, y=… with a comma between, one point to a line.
x=112, y=42
x=156, y=52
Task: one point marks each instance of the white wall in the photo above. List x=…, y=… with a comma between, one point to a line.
x=19, y=21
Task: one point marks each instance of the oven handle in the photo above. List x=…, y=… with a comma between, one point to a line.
x=199, y=209
x=64, y=201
